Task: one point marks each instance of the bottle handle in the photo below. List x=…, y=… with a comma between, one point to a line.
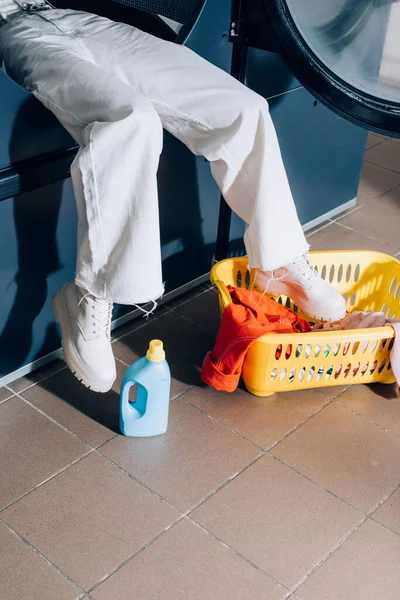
x=125, y=388
x=130, y=410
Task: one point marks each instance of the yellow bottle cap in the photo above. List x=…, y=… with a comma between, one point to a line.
x=155, y=353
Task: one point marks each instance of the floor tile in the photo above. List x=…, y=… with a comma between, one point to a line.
x=89, y=519
x=38, y=375
x=91, y=416
x=337, y=237
x=187, y=563
x=385, y=155
x=188, y=296
x=4, y=394
x=25, y=575
x=389, y=513
x=374, y=139
x=262, y=420
x=333, y=392
x=203, y=310
x=378, y=219
x=185, y=344
x=379, y=403
x=392, y=197
x=366, y=567
x=277, y=519
x=349, y=456
x=32, y=449
x=376, y=181
x=357, y=206
x=186, y=464
x=140, y=320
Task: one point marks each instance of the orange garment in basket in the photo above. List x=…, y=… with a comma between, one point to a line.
x=250, y=316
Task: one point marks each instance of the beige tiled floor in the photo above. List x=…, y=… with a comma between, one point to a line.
x=294, y=496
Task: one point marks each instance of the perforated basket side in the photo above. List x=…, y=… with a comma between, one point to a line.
x=321, y=359
x=369, y=281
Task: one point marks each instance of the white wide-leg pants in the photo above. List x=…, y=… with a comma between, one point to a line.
x=114, y=88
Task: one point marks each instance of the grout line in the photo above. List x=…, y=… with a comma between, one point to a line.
x=370, y=237
x=154, y=318
x=318, y=485
x=385, y=526
x=168, y=310
x=309, y=234
x=384, y=193
x=62, y=368
x=286, y=435
x=42, y=556
x=175, y=312
x=138, y=481
x=238, y=554
x=106, y=441
x=351, y=410
x=340, y=392
x=180, y=394
x=224, y=484
x=45, y=481
x=383, y=500
x=178, y=314
x=350, y=228
x=187, y=515
x=179, y=304
x=122, y=361
x=347, y=213
x=236, y=433
x=377, y=143
x=136, y=553
x=54, y=421
x=338, y=545
x=367, y=516
x=6, y=399
x=376, y=165
x=182, y=516
x=200, y=502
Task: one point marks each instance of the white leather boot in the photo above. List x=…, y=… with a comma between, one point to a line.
x=85, y=324
x=299, y=281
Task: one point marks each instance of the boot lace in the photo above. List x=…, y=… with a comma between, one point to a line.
x=101, y=312
x=304, y=266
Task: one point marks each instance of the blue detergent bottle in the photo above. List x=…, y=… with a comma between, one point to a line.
x=148, y=415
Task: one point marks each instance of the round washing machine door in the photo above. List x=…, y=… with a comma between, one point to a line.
x=346, y=52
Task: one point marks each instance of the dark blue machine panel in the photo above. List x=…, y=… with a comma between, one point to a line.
x=268, y=75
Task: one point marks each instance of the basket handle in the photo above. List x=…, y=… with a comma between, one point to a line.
x=224, y=292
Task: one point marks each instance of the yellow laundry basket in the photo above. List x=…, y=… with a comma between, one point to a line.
x=277, y=363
